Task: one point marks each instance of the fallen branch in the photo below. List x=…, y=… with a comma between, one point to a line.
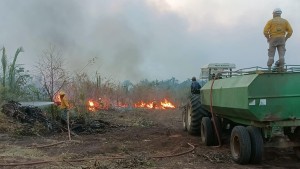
x=53, y=144
x=49, y=145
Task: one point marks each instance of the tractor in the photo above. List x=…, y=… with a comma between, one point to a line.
x=254, y=107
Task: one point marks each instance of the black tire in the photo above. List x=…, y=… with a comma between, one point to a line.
x=296, y=138
x=296, y=134
x=288, y=132
x=195, y=112
x=240, y=145
x=257, y=144
x=207, y=134
x=297, y=152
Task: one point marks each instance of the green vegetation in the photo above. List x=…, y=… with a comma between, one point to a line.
x=14, y=79
x=19, y=85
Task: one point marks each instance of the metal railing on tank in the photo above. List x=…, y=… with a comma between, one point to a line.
x=257, y=70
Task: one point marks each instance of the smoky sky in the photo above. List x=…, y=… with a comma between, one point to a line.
x=131, y=39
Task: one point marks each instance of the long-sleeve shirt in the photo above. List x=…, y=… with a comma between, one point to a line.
x=278, y=27
x=195, y=87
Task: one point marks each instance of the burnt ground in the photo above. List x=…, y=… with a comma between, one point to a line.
x=150, y=139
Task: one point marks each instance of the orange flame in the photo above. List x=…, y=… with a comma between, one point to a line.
x=91, y=103
x=91, y=106
x=165, y=104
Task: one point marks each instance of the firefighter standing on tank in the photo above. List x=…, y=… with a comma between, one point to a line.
x=277, y=31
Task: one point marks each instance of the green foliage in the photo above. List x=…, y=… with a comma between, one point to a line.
x=12, y=70
x=4, y=66
x=14, y=82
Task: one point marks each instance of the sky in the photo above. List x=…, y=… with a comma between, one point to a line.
x=144, y=39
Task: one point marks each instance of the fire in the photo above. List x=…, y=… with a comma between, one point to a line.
x=165, y=104
x=142, y=104
x=91, y=106
x=101, y=104
x=91, y=103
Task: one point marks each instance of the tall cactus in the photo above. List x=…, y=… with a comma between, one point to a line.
x=4, y=65
x=12, y=69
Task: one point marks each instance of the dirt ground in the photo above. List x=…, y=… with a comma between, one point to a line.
x=151, y=139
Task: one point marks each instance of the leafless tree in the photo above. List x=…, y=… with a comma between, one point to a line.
x=51, y=69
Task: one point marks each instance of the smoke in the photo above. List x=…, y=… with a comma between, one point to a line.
x=134, y=39
x=130, y=39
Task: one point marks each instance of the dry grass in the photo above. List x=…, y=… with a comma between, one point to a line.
x=133, y=118
x=15, y=128
x=17, y=151
x=6, y=124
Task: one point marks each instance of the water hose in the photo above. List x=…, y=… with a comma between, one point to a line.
x=213, y=114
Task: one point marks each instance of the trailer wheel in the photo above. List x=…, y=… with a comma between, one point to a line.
x=257, y=146
x=297, y=152
x=288, y=132
x=296, y=134
x=207, y=135
x=240, y=145
x=195, y=112
x=296, y=137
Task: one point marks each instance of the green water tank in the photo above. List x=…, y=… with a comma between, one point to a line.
x=255, y=97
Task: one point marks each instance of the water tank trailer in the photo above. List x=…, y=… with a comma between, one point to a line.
x=257, y=107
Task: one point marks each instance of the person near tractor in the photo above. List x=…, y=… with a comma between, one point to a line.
x=277, y=31
x=195, y=86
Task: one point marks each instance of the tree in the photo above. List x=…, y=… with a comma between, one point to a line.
x=51, y=70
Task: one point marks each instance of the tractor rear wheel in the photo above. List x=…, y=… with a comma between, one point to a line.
x=240, y=145
x=195, y=113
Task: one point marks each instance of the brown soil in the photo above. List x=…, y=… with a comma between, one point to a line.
x=133, y=138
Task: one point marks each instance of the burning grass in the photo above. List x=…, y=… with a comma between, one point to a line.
x=164, y=104
x=93, y=105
